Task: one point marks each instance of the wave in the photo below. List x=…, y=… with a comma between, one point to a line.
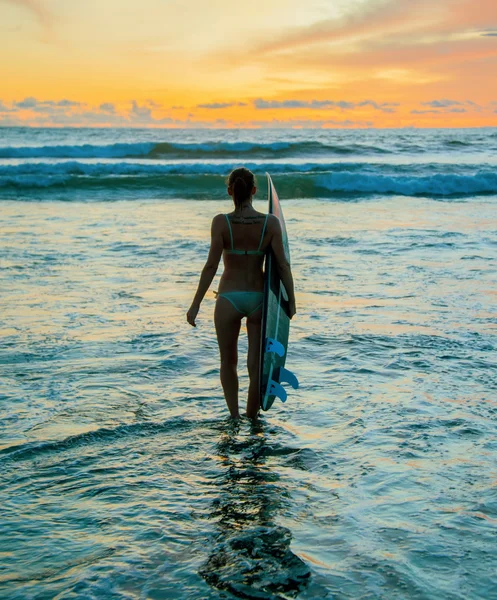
x=103, y=435
x=116, y=169
x=244, y=149
x=161, y=150
x=183, y=180
x=439, y=185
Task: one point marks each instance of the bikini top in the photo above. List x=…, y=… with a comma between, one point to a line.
x=257, y=252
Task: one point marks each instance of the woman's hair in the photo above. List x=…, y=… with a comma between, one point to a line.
x=241, y=181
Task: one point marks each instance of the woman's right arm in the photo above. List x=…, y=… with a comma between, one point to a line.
x=210, y=268
x=284, y=270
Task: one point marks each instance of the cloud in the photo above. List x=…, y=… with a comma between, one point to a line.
x=39, y=10
x=27, y=103
x=42, y=105
x=69, y=103
x=154, y=104
x=441, y=103
x=363, y=18
x=417, y=22
x=453, y=106
x=5, y=109
x=142, y=115
x=384, y=107
x=457, y=107
x=307, y=123
x=31, y=111
x=262, y=104
x=398, y=46
x=107, y=107
x=142, y=112
x=218, y=105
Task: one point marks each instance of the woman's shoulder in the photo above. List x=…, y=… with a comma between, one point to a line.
x=218, y=222
x=273, y=222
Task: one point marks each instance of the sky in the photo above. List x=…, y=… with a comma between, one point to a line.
x=263, y=63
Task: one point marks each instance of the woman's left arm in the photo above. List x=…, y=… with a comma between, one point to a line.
x=210, y=268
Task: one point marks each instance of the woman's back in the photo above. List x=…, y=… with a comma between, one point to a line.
x=245, y=241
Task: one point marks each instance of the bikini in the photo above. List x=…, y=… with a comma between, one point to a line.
x=245, y=303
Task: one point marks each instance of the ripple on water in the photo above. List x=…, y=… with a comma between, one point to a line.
x=121, y=477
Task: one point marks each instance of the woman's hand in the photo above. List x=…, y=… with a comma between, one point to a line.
x=191, y=315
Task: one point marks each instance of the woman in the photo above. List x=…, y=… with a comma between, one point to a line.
x=243, y=236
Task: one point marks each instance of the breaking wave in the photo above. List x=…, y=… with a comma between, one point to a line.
x=202, y=180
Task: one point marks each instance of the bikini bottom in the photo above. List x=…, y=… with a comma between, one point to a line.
x=245, y=303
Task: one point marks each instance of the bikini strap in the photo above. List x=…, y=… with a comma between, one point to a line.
x=231, y=233
x=263, y=232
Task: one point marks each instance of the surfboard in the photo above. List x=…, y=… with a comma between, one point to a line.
x=275, y=320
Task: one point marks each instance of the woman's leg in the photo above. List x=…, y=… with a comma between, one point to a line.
x=227, y=320
x=254, y=350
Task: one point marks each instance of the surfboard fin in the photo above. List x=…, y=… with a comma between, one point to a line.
x=275, y=346
x=286, y=376
x=276, y=389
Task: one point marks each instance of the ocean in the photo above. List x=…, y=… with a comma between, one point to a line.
x=121, y=476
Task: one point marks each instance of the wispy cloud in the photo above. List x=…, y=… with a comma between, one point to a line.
x=399, y=46
x=308, y=123
x=66, y=102
x=445, y=106
x=450, y=106
x=385, y=22
x=33, y=103
x=140, y=112
x=220, y=105
x=27, y=103
x=41, y=13
x=108, y=107
x=5, y=109
x=262, y=104
x=32, y=111
x=441, y=103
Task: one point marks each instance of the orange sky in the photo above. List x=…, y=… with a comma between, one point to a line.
x=267, y=63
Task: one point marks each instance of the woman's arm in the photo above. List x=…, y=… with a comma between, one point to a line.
x=284, y=270
x=209, y=270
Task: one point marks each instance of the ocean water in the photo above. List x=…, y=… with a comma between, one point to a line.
x=121, y=475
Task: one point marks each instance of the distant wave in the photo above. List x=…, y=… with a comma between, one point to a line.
x=158, y=150
x=116, y=169
x=190, y=180
x=243, y=150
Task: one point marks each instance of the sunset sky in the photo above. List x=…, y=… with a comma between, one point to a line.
x=264, y=63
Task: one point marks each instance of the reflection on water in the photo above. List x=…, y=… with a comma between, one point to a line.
x=251, y=556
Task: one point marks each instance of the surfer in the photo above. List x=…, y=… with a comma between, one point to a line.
x=242, y=237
